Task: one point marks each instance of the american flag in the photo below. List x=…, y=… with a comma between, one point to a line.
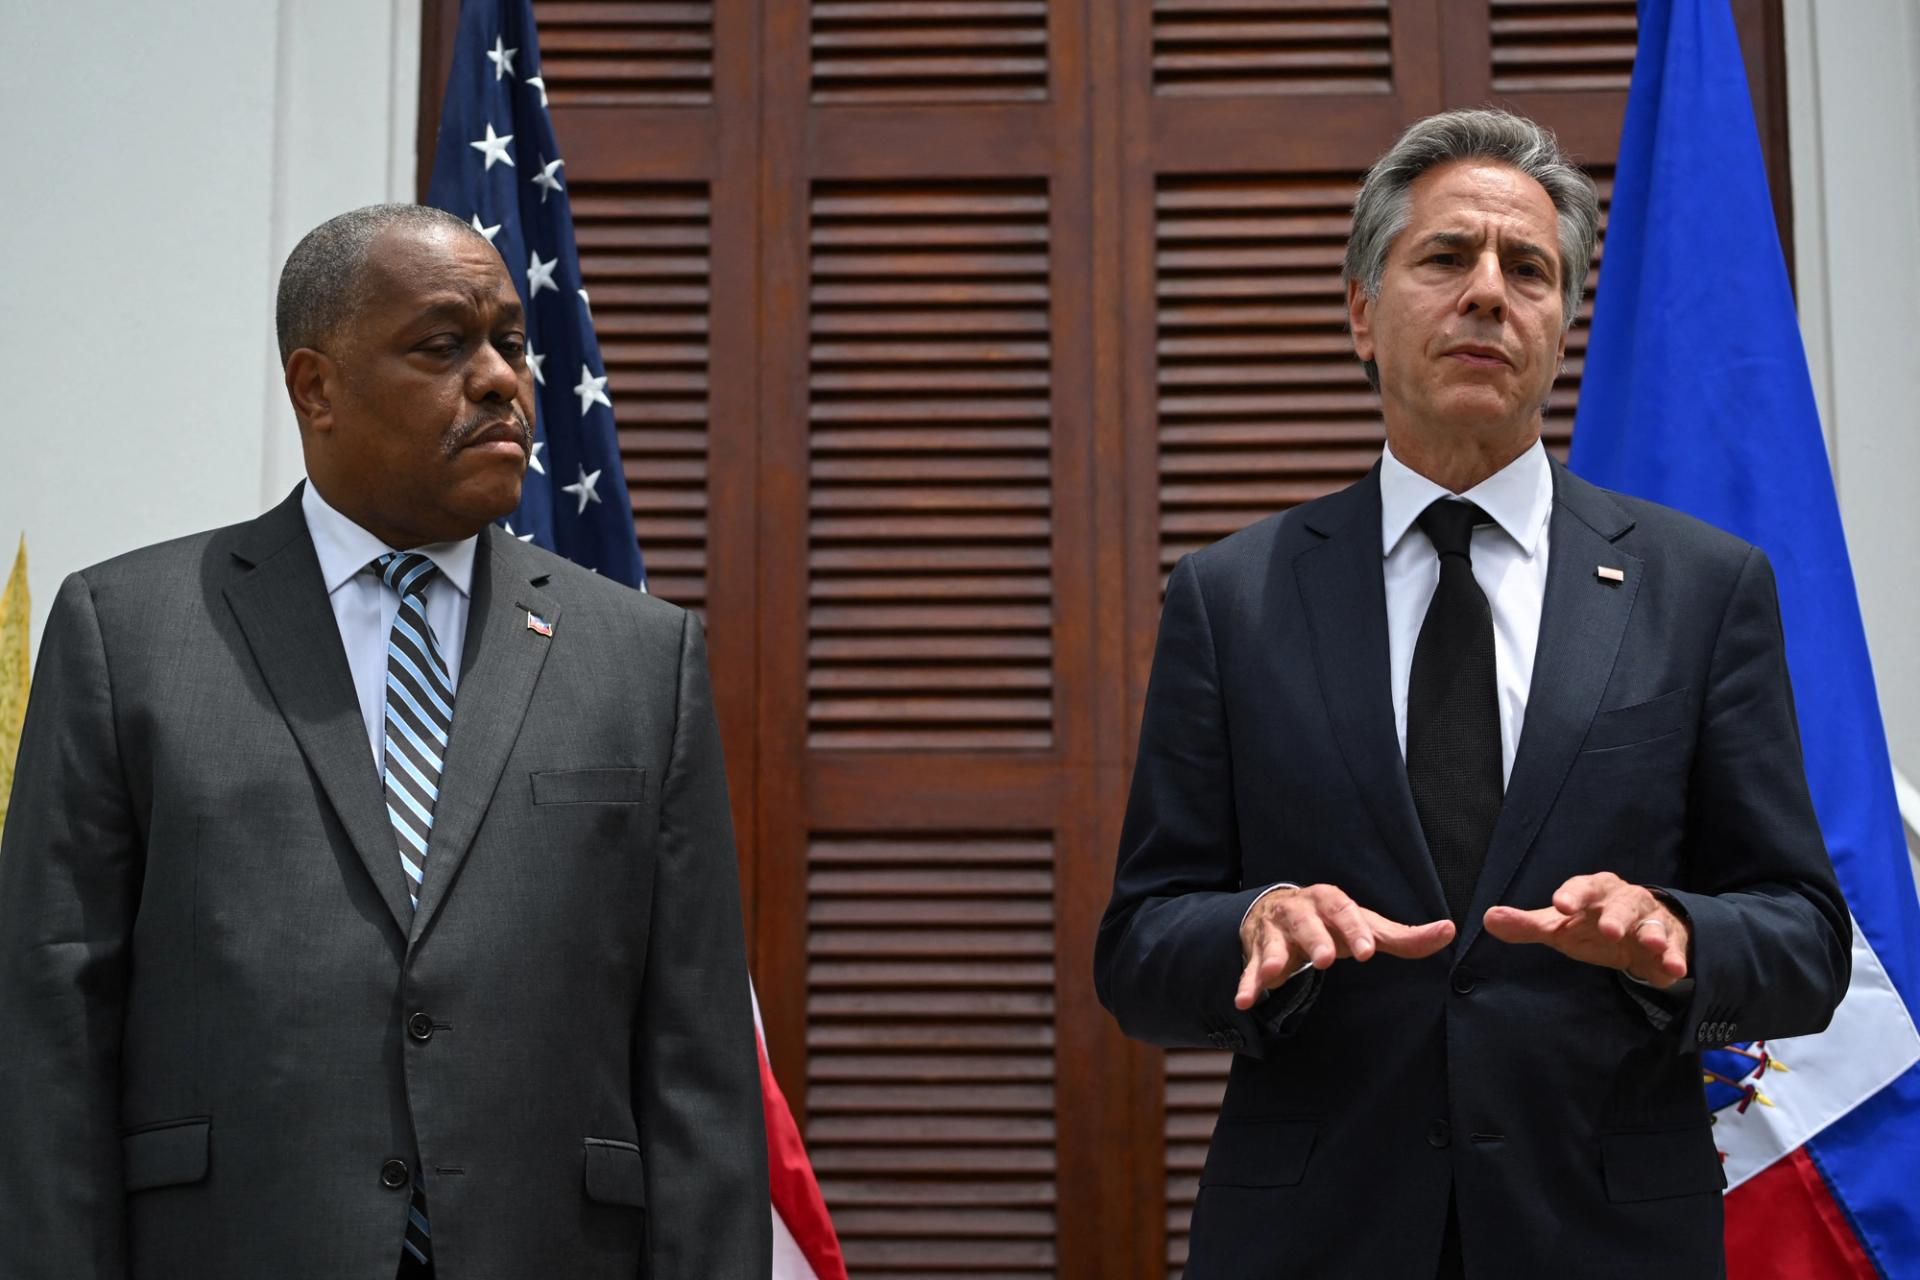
x=497, y=165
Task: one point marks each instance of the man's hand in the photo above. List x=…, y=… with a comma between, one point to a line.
x=1318, y=925
x=1601, y=919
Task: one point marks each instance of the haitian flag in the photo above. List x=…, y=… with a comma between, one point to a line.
x=1696, y=394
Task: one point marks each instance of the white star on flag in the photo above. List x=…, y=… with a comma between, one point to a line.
x=494, y=146
x=540, y=84
x=583, y=302
x=524, y=537
x=488, y=232
x=585, y=489
x=534, y=362
x=540, y=276
x=545, y=179
x=501, y=57
x=533, y=459
x=591, y=389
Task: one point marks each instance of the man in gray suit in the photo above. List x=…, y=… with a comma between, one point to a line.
x=368, y=899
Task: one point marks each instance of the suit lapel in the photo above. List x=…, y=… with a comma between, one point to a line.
x=498, y=668
x=1343, y=592
x=1581, y=625
x=281, y=605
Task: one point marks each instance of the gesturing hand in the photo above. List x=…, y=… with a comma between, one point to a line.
x=1601, y=919
x=1317, y=925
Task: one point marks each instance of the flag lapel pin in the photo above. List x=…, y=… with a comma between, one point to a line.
x=537, y=623
x=1605, y=572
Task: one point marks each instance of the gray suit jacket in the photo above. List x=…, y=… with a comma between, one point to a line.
x=219, y=1020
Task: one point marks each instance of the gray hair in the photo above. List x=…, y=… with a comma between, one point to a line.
x=1381, y=210
x=325, y=279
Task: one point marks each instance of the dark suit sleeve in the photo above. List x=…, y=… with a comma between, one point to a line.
x=1771, y=934
x=1168, y=960
x=69, y=888
x=698, y=1086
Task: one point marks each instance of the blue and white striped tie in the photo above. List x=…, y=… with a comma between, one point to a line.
x=419, y=717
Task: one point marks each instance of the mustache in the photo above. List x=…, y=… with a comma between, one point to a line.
x=461, y=434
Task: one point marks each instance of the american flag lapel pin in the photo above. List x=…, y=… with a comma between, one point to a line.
x=537, y=623
x=1605, y=572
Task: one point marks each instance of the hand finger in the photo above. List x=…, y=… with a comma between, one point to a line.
x=1277, y=963
x=1343, y=918
x=1620, y=913
x=1674, y=961
x=1582, y=893
x=1511, y=924
x=1410, y=941
x=1306, y=932
x=1249, y=989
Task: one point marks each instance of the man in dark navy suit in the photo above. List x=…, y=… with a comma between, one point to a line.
x=1531, y=741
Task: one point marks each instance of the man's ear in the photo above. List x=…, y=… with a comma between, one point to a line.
x=311, y=383
x=1360, y=319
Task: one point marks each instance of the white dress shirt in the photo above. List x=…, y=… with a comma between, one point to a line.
x=364, y=606
x=1509, y=563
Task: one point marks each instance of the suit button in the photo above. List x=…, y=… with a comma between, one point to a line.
x=1463, y=980
x=1439, y=1133
x=420, y=1027
x=393, y=1174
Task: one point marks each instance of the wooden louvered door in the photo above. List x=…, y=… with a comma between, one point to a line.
x=938, y=330
x=927, y=818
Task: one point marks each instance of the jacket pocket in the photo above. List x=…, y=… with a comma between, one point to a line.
x=590, y=786
x=615, y=1173
x=1642, y=722
x=168, y=1154
x=1654, y=1164
x=1259, y=1153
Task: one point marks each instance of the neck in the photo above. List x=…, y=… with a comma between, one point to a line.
x=1457, y=463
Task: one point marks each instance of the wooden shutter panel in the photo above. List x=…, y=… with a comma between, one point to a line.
x=930, y=624
x=930, y=1064
x=896, y=51
x=1261, y=402
x=637, y=53
x=1215, y=48
x=645, y=257
x=1553, y=45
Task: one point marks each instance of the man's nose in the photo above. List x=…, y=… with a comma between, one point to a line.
x=492, y=377
x=1486, y=288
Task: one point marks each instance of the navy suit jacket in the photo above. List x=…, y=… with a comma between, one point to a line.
x=1563, y=1110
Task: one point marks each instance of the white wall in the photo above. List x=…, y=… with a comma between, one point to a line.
x=162, y=161
x=1853, y=101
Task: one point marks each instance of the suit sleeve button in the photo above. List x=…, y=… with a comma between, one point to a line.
x=393, y=1174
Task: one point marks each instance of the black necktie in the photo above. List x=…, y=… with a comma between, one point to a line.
x=1453, y=713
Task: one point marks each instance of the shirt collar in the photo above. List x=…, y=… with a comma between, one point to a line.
x=1518, y=498
x=345, y=548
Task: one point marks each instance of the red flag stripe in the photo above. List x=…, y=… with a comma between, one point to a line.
x=796, y=1194
x=1784, y=1224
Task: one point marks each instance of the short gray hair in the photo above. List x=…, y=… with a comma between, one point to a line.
x=1380, y=211
x=325, y=278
